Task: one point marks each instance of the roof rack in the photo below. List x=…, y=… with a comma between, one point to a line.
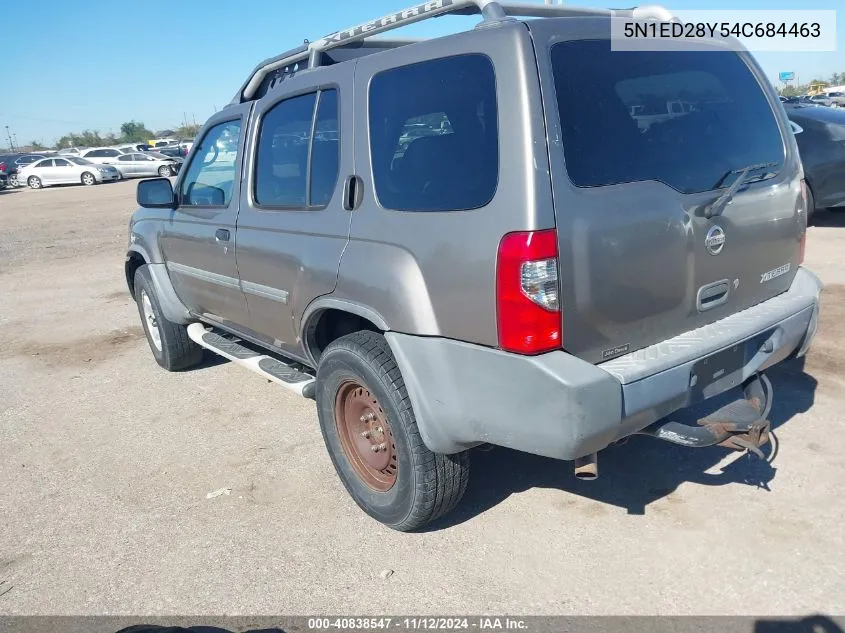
x=309, y=54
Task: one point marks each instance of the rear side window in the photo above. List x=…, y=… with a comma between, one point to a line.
x=286, y=148
x=434, y=138
x=682, y=118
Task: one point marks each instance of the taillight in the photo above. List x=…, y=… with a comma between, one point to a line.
x=528, y=292
x=2, y=166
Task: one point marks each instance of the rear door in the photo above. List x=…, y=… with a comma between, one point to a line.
x=63, y=171
x=45, y=171
x=292, y=226
x=640, y=259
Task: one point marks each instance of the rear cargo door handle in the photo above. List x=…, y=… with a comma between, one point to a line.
x=221, y=235
x=712, y=295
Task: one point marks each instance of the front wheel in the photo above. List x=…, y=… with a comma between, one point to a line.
x=34, y=182
x=88, y=179
x=165, y=171
x=371, y=434
x=169, y=342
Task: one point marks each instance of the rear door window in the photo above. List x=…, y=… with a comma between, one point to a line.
x=434, y=134
x=682, y=118
x=293, y=145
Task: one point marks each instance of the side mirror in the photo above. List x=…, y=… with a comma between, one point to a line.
x=796, y=129
x=156, y=193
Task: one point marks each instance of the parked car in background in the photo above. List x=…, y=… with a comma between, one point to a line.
x=837, y=98
x=821, y=143
x=14, y=163
x=821, y=99
x=65, y=170
x=146, y=164
x=172, y=152
x=102, y=155
x=72, y=151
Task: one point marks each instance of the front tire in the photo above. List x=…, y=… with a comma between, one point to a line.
x=164, y=171
x=371, y=434
x=169, y=342
x=88, y=179
x=34, y=182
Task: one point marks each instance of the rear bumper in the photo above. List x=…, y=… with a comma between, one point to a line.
x=559, y=406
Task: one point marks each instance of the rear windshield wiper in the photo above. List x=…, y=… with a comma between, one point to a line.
x=743, y=177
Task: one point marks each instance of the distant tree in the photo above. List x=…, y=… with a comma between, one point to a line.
x=188, y=131
x=86, y=138
x=791, y=91
x=35, y=145
x=134, y=132
x=837, y=79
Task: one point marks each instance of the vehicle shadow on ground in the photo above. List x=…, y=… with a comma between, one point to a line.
x=809, y=624
x=828, y=218
x=209, y=359
x=634, y=474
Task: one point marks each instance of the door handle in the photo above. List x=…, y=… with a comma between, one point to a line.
x=221, y=235
x=353, y=193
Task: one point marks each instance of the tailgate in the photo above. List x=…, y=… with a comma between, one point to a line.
x=649, y=143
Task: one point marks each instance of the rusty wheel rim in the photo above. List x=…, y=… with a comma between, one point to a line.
x=366, y=436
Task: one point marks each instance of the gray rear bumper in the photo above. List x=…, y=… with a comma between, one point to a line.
x=559, y=406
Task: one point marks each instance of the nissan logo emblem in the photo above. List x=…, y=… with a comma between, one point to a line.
x=715, y=240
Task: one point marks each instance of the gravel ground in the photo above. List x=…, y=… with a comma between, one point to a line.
x=107, y=460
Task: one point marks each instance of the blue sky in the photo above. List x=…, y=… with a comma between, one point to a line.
x=90, y=64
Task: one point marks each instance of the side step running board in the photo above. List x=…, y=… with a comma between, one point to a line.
x=269, y=367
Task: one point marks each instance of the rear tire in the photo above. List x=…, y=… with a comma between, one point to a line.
x=34, y=182
x=169, y=342
x=358, y=375
x=88, y=179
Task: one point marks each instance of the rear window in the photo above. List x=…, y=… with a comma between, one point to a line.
x=682, y=118
x=434, y=134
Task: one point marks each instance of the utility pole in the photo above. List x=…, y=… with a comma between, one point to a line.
x=9, y=136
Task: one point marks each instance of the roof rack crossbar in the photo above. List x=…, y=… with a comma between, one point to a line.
x=490, y=10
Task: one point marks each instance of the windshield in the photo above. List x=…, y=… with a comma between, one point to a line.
x=682, y=118
x=78, y=161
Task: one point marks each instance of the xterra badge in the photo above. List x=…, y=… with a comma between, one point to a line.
x=774, y=272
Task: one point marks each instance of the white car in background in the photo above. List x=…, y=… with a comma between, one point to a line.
x=65, y=170
x=837, y=98
x=146, y=164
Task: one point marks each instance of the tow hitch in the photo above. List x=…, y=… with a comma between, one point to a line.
x=741, y=424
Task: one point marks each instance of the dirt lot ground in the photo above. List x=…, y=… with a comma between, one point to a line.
x=106, y=460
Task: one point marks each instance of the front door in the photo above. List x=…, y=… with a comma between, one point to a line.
x=62, y=171
x=292, y=226
x=198, y=241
